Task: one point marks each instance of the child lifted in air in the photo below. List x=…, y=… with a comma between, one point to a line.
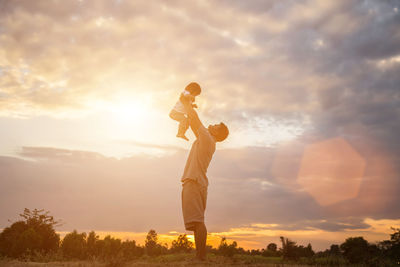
x=178, y=113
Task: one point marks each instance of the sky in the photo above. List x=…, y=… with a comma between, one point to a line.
x=309, y=90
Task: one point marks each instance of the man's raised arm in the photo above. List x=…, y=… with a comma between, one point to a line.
x=194, y=120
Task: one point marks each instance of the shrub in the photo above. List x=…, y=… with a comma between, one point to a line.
x=73, y=245
x=182, y=244
x=33, y=234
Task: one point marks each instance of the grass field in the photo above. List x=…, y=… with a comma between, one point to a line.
x=165, y=260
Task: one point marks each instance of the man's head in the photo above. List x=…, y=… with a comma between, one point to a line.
x=219, y=131
x=193, y=88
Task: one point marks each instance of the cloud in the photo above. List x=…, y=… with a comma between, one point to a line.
x=152, y=146
x=101, y=190
x=87, y=190
x=56, y=154
x=314, y=70
x=259, y=235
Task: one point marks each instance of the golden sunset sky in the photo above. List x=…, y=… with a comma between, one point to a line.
x=309, y=90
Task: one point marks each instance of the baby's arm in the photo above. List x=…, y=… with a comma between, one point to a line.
x=189, y=97
x=192, y=98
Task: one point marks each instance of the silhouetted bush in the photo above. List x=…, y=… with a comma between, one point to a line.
x=34, y=234
x=181, y=245
x=271, y=251
x=74, y=246
x=152, y=247
x=109, y=248
x=291, y=251
x=355, y=249
x=391, y=248
x=226, y=249
x=34, y=239
x=129, y=250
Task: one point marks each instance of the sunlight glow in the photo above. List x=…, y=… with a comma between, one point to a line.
x=125, y=118
x=257, y=235
x=129, y=113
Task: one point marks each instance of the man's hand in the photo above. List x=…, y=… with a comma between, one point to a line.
x=194, y=105
x=183, y=99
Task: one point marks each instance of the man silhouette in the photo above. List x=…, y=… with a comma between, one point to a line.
x=194, y=178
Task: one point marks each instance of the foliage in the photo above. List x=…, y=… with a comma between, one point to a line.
x=34, y=239
x=355, y=249
x=74, y=245
x=33, y=234
x=182, y=244
x=109, y=248
x=91, y=245
x=290, y=251
x=391, y=248
x=151, y=246
x=271, y=251
x=226, y=249
x=129, y=249
x=272, y=247
x=334, y=250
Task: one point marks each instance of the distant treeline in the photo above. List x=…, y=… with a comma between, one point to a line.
x=34, y=238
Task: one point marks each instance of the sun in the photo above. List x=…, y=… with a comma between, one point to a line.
x=132, y=124
x=123, y=118
x=126, y=113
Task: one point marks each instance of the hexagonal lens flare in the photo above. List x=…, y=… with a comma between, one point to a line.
x=331, y=171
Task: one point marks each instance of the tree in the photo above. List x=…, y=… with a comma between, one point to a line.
x=272, y=247
x=182, y=244
x=355, y=249
x=226, y=249
x=129, y=250
x=391, y=248
x=152, y=248
x=289, y=249
x=74, y=245
x=270, y=251
x=33, y=234
x=334, y=250
x=91, y=247
x=109, y=247
x=306, y=251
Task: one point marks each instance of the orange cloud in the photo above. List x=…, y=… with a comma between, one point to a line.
x=257, y=236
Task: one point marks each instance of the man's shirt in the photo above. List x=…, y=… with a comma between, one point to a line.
x=199, y=158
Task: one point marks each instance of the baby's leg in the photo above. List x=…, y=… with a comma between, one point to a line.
x=183, y=123
x=183, y=126
x=177, y=116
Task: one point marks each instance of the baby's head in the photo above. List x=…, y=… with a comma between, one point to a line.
x=193, y=88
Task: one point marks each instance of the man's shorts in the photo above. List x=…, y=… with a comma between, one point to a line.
x=194, y=200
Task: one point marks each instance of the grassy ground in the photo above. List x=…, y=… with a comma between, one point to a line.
x=134, y=264
x=165, y=260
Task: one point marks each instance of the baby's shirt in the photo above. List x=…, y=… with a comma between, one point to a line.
x=179, y=107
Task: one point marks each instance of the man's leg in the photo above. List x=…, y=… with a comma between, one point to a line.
x=200, y=238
